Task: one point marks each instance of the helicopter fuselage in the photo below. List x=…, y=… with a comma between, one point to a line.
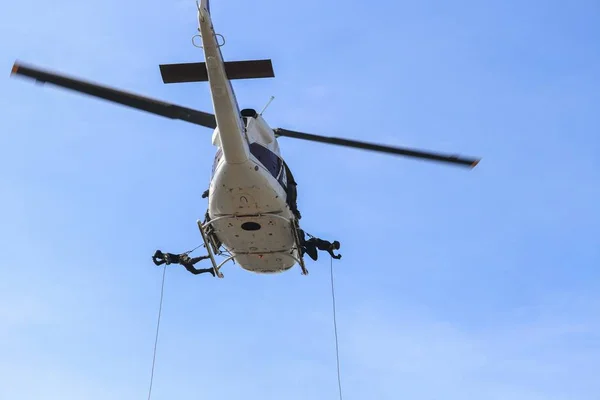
x=247, y=203
x=252, y=210
x=248, y=210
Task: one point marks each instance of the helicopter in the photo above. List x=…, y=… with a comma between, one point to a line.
x=252, y=216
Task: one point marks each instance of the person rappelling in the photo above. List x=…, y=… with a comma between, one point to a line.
x=313, y=244
x=160, y=258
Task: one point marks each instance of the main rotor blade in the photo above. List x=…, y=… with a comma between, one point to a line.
x=453, y=159
x=118, y=96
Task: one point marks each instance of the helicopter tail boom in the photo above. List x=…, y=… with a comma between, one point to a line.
x=227, y=113
x=196, y=72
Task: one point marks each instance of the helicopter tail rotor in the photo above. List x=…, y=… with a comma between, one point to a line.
x=402, y=151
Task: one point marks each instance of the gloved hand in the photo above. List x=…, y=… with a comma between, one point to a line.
x=158, y=258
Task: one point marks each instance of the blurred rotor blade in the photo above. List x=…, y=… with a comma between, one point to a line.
x=118, y=96
x=453, y=159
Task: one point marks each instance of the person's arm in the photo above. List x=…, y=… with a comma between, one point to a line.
x=330, y=251
x=159, y=258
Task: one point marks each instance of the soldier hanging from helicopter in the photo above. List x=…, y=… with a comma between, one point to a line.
x=291, y=192
x=160, y=258
x=313, y=244
x=309, y=247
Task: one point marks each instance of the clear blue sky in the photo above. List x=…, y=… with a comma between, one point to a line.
x=454, y=284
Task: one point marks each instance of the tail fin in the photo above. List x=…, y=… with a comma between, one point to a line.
x=196, y=72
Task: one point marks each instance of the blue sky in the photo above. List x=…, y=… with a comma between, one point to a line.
x=454, y=284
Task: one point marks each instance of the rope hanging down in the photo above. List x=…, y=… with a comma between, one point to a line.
x=337, y=349
x=162, y=289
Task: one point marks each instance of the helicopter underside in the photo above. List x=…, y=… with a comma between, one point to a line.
x=250, y=216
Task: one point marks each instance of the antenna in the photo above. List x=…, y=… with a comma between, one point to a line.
x=269, y=102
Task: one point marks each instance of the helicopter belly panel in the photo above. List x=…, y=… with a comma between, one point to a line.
x=271, y=263
x=260, y=243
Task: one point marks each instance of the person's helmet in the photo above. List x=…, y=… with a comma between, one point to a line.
x=336, y=244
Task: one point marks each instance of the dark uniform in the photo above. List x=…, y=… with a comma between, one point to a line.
x=313, y=244
x=160, y=258
x=291, y=191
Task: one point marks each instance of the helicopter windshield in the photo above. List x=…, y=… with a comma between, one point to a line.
x=267, y=158
x=216, y=161
x=271, y=161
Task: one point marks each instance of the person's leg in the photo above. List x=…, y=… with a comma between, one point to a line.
x=311, y=249
x=196, y=259
x=198, y=271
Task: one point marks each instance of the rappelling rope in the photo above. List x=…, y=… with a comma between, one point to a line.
x=337, y=349
x=195, y=248
x=162, y=288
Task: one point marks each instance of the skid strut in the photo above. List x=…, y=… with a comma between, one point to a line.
x=295, y=230
x=216, y=267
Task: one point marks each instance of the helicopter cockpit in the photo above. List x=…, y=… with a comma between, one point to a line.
x=261, y=146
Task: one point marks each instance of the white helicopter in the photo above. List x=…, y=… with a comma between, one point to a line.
x=252, y=216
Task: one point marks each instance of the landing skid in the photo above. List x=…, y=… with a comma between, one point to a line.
x=297, y=240
x=216, y=268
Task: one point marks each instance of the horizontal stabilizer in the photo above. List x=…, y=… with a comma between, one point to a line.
x=196, y=72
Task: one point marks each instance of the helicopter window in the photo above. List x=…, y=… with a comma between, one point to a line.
x=217, y=159
x=267, y=158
